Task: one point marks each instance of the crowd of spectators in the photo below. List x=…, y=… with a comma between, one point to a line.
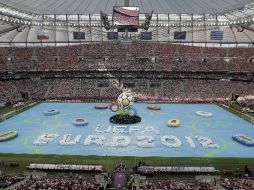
x=18, y=182
x=7, y=180
x=59, y=183
x=125, y=16
x=138, y=56
x=176, y=90
x=9, y=92
x=247, y=103
x=129, y=11
x=238, y=184
x=175, y=185
x=122, y=18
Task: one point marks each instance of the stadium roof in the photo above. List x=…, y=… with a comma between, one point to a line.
x=95, y=6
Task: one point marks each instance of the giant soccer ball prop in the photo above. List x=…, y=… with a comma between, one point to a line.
x=125, y=100
x=125, y=112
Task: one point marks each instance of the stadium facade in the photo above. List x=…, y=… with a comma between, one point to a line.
x=22, y=20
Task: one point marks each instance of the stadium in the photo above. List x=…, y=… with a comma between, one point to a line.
x=127, y=94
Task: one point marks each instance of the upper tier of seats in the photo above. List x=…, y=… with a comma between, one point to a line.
x=138, y=56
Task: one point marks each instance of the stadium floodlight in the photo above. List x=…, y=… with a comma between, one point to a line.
x=105, y=21
x=148, y=19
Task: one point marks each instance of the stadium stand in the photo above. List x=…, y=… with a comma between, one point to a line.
x=244, y=184
x=196, y=68
x=188, y=90
x=59, y=183
x=7, y=180
x=136, y=57
x=175, y=184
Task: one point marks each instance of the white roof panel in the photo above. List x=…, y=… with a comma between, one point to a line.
x=95, y=6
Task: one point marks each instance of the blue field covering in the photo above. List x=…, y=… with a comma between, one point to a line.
x=219, y=128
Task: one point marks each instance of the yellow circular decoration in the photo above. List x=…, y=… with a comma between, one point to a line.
x=174, y=122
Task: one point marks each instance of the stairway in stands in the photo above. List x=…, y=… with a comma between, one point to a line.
x=183, y=89
x=47, y=92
